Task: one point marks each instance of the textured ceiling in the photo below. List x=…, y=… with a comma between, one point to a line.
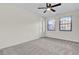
x=32, y=7
x=65, y=7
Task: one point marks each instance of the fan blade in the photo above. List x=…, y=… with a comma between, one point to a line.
x=53, y=10
x=49, y=5
x=56, y=5
x=42, y=8
x=45, y=11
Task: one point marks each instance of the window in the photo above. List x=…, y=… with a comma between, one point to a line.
x=51, y=25
x=65, y=24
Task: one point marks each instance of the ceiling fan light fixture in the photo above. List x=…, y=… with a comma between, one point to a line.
x=48, y=9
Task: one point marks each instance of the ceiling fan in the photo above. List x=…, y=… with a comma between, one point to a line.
x=49, y=7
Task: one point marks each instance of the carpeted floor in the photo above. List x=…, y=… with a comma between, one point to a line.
x=43, y=46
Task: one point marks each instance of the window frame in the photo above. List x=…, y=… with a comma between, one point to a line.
x=48, y=26
x=60, y=24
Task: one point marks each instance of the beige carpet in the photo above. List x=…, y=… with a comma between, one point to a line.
x=43, y=46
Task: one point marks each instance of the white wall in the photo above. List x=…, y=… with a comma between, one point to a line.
x=73, y=35
x=43, y=28
x=17, y=25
